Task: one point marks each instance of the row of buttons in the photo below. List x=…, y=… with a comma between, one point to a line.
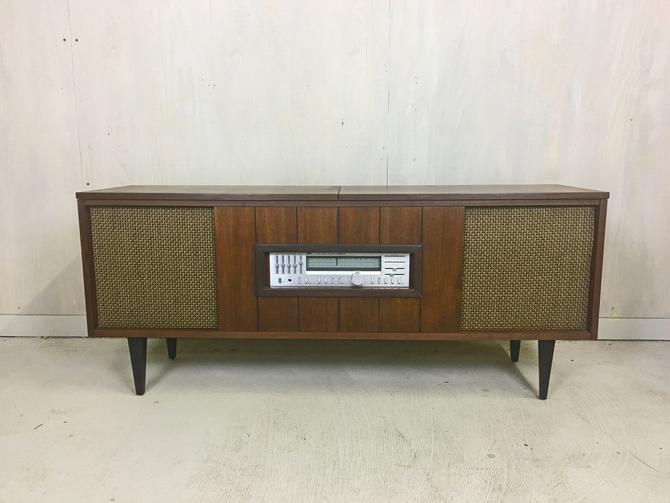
x=319, y=280
x=386, y=281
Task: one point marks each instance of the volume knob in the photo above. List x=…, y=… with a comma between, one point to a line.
x=357, y=279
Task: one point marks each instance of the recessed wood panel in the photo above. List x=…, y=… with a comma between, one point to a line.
x=318, y=225
x=443, y=234
x=400, y=225
x=359, y=314
x=319, y=314
x=235, y=237
x=400, y=315
x=277, y=224
x=359, y=225
x=278, y=314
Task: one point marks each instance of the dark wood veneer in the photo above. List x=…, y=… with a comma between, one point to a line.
x=318, y=225
x=88, y=266
x=235, y=238
x=343, y=193
x=401, y=225
x=443, y=233
x=276, y=225
x=597, y=268
x=359, y=226
x=571, y=335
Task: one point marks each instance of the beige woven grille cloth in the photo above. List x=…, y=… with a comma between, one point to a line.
x=154, y=267
x=527, y=268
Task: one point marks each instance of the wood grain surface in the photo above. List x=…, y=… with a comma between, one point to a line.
x=318, y=225
x=359, y=225
x=235, y=238
x=277, y=225
x=398, y=225
x=443, y=235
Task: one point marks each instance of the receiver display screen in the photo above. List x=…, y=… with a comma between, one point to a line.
x=343, y=263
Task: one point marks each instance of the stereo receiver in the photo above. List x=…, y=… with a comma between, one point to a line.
x=339, y=270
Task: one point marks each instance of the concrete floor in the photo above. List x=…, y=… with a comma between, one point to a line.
x=333, y=422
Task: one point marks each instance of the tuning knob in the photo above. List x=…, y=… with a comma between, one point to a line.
x=357, y=279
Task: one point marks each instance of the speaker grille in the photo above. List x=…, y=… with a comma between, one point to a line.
x=527, y=268
x=154, y=267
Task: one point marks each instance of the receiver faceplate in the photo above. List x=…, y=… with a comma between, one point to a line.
x=339, y=270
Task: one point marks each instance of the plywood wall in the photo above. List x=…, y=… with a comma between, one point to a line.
x=94, y=94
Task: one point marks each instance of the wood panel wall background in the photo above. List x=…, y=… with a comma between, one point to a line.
x=329, y=93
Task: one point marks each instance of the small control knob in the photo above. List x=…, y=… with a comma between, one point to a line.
x=357, y=279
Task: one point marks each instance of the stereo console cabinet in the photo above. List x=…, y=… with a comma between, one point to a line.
x=505, y=262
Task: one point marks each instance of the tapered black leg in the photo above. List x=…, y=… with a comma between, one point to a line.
x=138, y=360
x=172, y=348
x=514, y=347
x=545, y=353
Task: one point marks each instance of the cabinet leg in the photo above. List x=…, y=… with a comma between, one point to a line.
x=172, y=348
x=545, y=355
x=514, y=348
x=138, y=360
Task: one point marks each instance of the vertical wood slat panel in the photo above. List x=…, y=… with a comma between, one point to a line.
x=277, y=225
x=316, y=226
x=359, y=225
x=443, y=238
x=235, y=236
x=400, y=225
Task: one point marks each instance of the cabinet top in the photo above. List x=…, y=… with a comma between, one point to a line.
x=341, y=193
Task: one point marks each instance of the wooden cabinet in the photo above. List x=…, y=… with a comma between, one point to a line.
x=491, y=262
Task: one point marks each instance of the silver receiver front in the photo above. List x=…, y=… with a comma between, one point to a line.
x=339, y=270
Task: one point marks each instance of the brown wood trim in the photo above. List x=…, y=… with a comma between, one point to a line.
x=345, y=335
x=221, y=193
x=342, y=192
x=342, y=204
x=263, y=290
x=338, y=247
x=86, y=239
x=235, y=238
x=597, y=268
x=381, y=200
